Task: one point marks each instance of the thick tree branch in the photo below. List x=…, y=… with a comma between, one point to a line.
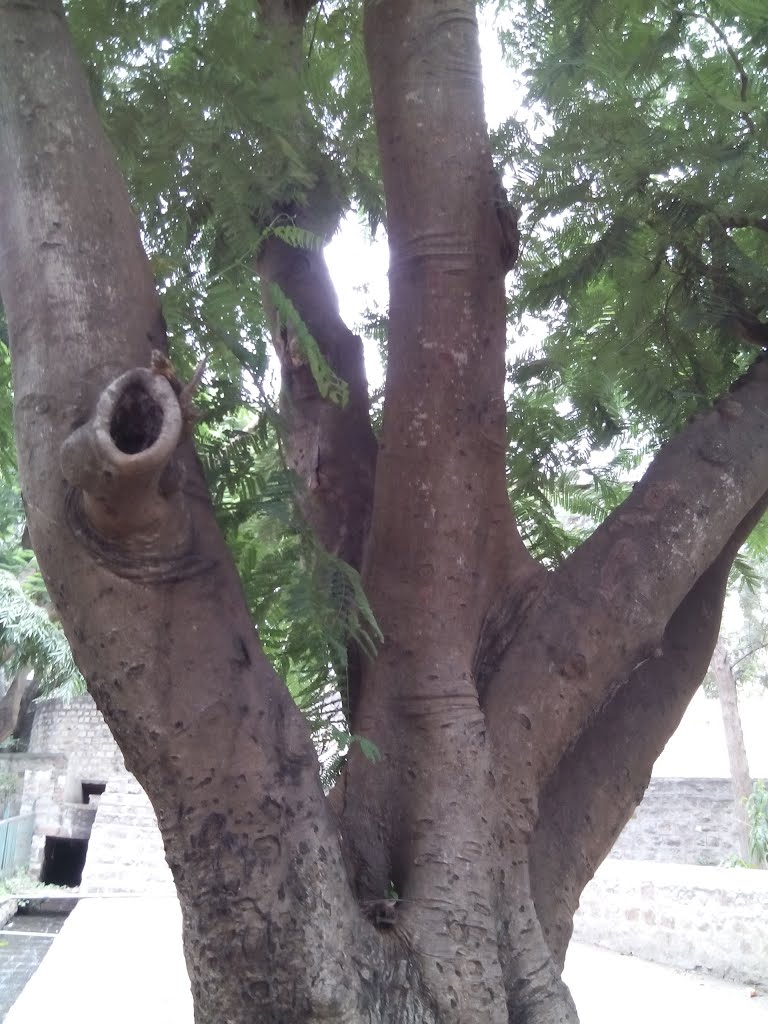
x=441, y=512
x=605, y=610
x=331, y=447
x=12, y=702
x=599, y=782
x=174, y=665
x=759, y=223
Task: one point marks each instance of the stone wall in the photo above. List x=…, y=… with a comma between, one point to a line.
x=18, y=765
x=70, y=744
x=77, y=729
x=682, y=821
x=125, y=852
x=705, y=918
x=45, y=786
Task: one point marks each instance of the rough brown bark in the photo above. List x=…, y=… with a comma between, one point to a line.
x=173, y=662
x=439, y=549
x=330, y=447
x=599, y=782
x=494, y=699
x=734, y=740
x=605, y=610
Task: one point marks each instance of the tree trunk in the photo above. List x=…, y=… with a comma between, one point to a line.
x=13, y=702
x=734, y=740
x=517, y=711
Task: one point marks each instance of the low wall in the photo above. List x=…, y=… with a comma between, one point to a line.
x=682, y=821
x=698, y=918
x=8, y=908
x=125, y=851
x=18, y=765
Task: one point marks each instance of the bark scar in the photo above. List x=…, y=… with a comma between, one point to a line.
x=126, y=562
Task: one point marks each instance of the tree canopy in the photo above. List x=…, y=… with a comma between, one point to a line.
x=645, y=242
x=642, y=285
x=641, y=291
x=505, y=575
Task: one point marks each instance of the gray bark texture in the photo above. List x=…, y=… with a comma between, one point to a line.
x=518, y=711
x=13, y=702
x=734, y=740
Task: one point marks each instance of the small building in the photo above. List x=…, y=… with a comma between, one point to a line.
x=92, y=825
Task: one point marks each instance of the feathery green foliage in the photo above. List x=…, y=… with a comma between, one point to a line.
x=757, y=817
x=29, y=639
x=328, y=383
x=307, y=604
x=224, y=141
x=639, y=162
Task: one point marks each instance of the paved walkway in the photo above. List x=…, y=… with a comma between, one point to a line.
x=610, y=988
x=24, y=941
x=116, y=959
x=120, y=960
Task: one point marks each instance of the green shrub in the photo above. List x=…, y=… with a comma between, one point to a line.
x=757, y=816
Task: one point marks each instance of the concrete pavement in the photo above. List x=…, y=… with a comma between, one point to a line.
x=116, y=959
x=610, y=988
x=119, y=959
x=24, y=941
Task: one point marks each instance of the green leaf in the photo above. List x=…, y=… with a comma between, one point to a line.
x=328, y=383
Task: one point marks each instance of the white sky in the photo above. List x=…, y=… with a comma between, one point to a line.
x=698, y=747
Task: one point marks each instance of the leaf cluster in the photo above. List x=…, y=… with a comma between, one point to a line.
x=229, y=129
x=757, y=818
x=638, y=160
x=308, y=605
x=30, y=639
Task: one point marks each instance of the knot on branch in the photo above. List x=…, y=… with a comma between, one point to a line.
x=508, y=217
x=125, y=503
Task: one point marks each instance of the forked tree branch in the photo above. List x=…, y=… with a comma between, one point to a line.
x=330, y=446
x=599, y=782
x=175, y=665
x=605, y=610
